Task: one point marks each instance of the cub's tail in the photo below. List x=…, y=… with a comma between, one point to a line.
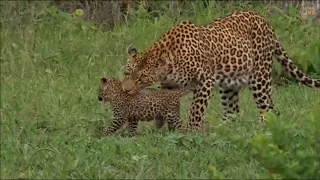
x=181, y=91
x=159, y=123
x=173, y=87
x=292, y=69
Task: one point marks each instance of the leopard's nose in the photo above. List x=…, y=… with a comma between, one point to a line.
x=100, y=98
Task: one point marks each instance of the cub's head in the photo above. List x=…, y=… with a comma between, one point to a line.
x=112, y=88
x=108, y=88
x=145, y=69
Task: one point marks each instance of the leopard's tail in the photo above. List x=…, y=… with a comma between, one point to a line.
x=292, y=69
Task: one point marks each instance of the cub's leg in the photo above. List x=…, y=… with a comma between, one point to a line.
x=132, y=127
x=173, y=119
x=118, y=121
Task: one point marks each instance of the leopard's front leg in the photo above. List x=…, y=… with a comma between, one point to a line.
x=201, y=97
x=118, y=121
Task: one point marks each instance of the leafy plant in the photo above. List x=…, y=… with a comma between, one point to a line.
x=285, y=151
x=300, y=38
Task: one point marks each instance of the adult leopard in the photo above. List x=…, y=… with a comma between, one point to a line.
x=231, y=52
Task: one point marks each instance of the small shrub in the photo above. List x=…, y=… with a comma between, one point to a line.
x=285, y=151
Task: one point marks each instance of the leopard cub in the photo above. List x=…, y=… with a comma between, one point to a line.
x=159, y=105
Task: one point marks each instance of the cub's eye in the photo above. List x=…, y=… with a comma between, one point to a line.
x=100, y=98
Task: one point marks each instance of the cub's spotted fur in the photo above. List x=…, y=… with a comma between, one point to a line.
x=231, y=52
x=160, y=105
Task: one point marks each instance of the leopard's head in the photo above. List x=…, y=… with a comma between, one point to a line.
x=145, y=69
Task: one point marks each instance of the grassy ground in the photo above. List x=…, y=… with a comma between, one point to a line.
x=50, y=114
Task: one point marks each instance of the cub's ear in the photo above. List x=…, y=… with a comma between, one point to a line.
x=163, y=61
x=132, y=50
x=103, y=80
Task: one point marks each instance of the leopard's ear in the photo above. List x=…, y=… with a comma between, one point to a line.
x=132, y=50
x=103, y=80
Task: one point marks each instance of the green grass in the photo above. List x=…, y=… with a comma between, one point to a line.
x=50, y=114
